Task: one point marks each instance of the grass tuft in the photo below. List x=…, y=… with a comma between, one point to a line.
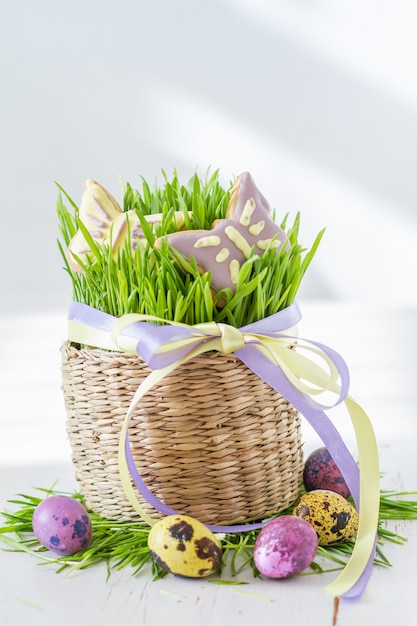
x=160, y=282
x=119, y=544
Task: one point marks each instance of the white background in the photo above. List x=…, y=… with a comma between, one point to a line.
x=316, y=98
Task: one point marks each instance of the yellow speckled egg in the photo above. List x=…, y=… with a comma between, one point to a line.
x=184, y=546
x=333, y=518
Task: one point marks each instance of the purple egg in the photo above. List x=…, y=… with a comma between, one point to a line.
x=284, y=547
x=62, y=524
x=321, y=472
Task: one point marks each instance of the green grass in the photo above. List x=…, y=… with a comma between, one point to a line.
x=119, y=544
x=160, y=283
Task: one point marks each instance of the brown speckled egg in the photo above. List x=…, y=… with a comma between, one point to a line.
x=184, y=546
x=321, y=472
x=333, y=518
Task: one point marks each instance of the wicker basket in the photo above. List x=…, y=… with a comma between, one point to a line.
x=212, y=440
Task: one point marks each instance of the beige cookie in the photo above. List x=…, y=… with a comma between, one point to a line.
x=108, y=224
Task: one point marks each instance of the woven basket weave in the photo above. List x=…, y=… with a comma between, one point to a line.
x=211, y=440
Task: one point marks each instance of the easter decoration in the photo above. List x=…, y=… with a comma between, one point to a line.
x=62, y=525
x=333, y=518
x=182, y=545
x=321, y=472
x=184, y=380
x=285, y=547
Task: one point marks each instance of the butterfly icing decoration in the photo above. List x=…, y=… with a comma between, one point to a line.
x=107, y=224
x=225, y=247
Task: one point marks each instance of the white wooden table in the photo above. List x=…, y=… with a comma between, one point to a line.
x=380, y=347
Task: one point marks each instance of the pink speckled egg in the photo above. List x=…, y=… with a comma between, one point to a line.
x=321, y=472
x=284, y=547
x=62, y=524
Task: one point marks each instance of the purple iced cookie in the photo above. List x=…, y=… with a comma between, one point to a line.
x=225, y=247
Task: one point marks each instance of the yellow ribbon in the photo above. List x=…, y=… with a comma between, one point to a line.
x=305, y=375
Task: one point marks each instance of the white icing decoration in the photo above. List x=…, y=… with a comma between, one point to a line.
x=234, y=268
x=222, y=255
x=257, y=228
x=263, y=244
x=247, y=212
x=206, y=242
x=239, y=241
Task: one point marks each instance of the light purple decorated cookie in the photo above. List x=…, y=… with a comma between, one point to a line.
x=225, y=247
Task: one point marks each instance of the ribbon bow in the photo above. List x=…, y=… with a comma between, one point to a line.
x=290, y=365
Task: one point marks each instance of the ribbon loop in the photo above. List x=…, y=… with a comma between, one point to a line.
x=269, y=348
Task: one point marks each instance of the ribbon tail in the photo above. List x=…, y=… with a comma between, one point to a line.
x=359, y=567
x=364, y=485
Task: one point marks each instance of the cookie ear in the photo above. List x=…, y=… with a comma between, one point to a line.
x=98, y=203
x=98, y=212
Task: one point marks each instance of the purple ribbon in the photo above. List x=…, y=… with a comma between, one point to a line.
x=152, y=336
